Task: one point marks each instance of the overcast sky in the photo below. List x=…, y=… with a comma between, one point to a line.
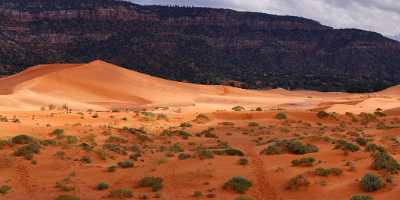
x=376, y=15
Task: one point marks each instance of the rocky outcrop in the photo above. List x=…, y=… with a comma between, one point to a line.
x=199, y=45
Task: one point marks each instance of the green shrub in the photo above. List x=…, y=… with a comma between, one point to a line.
x=238, y=108
x=296, y=147
x=121, y=194
x=280, y=116
x=85, y=159
x=67, y=197
x=328, y=171
x=384, y=161
x=203, y=154
x=183, y=156
x=102, y=186
x=361, y=141
x=27, y=151
x=243, y=161
x=197, y=194
x=4, y=189
x=373, y=148
x=230, y=152
x=243, y=198
x=156, y=183
x=238, y=184
x=125, y=164
x=186, y=125
x=346, y=146
x=202, y=118
x=59, y=133
x=291, y=146
x=117, y=148
x=306, y=161
x=361, y=197
x=297, y=182
x=370, y=183
x=253, y=124
x=22, y=139
x=273, y=150
x=322, y=114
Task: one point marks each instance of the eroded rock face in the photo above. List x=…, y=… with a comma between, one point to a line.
x=199, y=45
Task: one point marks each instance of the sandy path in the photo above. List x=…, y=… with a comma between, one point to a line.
x=263, y=189
x=24, y=179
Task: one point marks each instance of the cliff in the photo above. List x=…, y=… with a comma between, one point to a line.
x=200, y=45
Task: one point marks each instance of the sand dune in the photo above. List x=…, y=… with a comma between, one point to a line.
x=100, y=85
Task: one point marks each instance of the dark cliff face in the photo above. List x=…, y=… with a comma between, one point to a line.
x=198, y=45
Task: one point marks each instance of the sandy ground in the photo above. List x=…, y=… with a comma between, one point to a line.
x=99, y=105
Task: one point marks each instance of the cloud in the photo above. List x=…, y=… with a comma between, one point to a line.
x=375, y=15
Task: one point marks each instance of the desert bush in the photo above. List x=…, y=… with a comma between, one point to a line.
x=322, y=114
x=297, y=182
x=120, y=194
x=67, y=197
x=291, y=146
x=22, y=139
x=64, y=186
x=361, y=141
x=4, y=189
x=361, y=197
x=117, y=148
x=27, y=151
x=111, y=168
x=346, y=146
x=125, y=164
x=135, y=156
x=185, y=125
x=183, y=156
x=175, y=148
x=85, y=159
x=243, y=161
x=59, y=133
x=197, y=194
x=384, y=161
x=328, y=171
x=371, y=182
x=203, y=154
x=373, y=148
x=181, y=133
x=253, y=124
x=243, y=198
x=238, y=184
x=207, y=133
x=238, y=108
x=202, y=118
x=306, y=161
x=296, y=147
x=229, y=152
x=280, y=116
x=155, y=183
x=102, y=186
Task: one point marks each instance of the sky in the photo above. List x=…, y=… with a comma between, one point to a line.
x=381, y=16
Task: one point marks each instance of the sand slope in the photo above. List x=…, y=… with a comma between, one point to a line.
x=99, y=85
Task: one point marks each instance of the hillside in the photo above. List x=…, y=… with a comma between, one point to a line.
x=199, y=45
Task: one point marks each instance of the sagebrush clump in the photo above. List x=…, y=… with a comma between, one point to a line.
x=238, y=184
